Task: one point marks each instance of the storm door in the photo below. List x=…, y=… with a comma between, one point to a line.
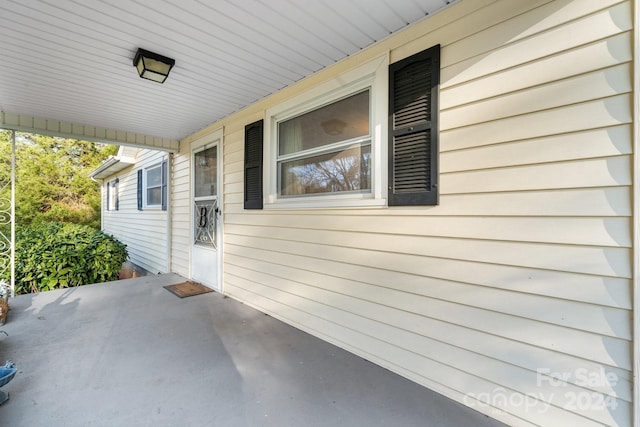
x=205, y=215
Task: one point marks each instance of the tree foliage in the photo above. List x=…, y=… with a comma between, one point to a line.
x=52, y=182
x=57, y=214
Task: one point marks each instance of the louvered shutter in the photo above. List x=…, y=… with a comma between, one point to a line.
x=164, y=171
x=413, y=129
x=253, y=141
x=140, y=189
x=108, y=195
x=117, y=192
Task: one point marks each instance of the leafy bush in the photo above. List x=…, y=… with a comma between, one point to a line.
x=59, y=255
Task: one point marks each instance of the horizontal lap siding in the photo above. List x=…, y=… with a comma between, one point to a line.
x=525, y=265
x=144, y=232
x=180, y=212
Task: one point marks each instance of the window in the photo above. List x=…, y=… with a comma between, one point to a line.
x=324, y=145
x=366, y=138
x=113, y=197
x=152, y=187
x=327, y=150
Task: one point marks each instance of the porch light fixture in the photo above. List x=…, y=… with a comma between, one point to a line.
x=152, y=66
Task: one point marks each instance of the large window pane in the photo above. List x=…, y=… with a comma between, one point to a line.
x=346, y=170
x=154, y=177
x=154, y=196
x=343, y=120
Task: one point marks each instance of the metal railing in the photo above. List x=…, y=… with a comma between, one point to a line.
x=7, y=220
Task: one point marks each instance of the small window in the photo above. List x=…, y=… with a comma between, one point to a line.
x=113, y=196
x=152, y=187
x=327, y=150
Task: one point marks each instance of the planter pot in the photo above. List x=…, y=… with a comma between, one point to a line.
x=7, y=372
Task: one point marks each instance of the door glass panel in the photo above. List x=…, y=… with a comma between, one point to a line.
x=206, y=172
x=204, y=222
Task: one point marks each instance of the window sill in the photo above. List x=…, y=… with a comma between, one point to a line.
x=326, y=203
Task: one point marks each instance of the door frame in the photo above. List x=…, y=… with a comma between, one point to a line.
x=197, y=145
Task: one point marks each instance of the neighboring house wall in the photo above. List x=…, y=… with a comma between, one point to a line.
x=144, y=232
x=523, y=271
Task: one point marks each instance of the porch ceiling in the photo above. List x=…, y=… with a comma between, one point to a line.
x=71, y=61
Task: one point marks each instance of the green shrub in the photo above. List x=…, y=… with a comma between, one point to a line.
x=59, y=255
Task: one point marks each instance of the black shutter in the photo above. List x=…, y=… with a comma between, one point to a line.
x=108, y=195
x=413, y=129
x=253, y=141
x=117, y=190
x=140, y=189
x=164, y=185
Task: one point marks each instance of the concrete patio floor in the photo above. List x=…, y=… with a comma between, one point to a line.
x=130, y=353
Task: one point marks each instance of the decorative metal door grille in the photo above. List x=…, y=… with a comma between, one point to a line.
x=5, y=228
x=204, y=222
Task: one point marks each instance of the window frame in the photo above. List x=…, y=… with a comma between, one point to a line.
x=373, y=76
x=145, y=187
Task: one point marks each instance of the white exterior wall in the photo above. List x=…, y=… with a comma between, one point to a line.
x=523, y=271
x=180, y=212
x=144, y=232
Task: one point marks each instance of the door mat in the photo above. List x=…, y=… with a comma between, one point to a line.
x=188, y=289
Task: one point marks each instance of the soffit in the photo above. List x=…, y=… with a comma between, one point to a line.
x=71, y=61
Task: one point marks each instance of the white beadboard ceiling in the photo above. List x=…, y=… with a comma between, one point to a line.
x=71, y=60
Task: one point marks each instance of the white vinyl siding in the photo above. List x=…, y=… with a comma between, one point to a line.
x=524, y=267
x=180, y=188
x=144, y=232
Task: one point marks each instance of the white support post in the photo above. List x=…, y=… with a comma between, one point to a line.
x=13, y=214
x=636, y=214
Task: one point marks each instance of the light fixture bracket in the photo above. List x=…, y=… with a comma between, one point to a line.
x=152, y=66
